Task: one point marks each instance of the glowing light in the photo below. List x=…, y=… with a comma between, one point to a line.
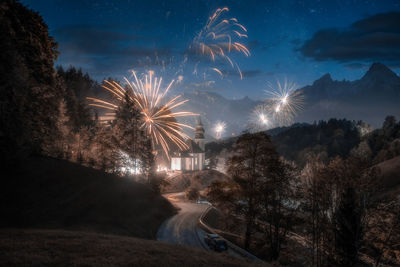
x=216, y=39
x=284, y=101
x=159, y=119
x=219, y=129
x=130, y=166
x=260, y=119
x=263, y=119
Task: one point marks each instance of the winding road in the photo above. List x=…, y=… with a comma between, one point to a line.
x=183, y=227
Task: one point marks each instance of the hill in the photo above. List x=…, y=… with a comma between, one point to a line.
x=67, y=248
x=50, y=193
x=390, y=171
x=325, y=138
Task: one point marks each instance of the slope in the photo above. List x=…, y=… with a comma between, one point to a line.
x=51, y=193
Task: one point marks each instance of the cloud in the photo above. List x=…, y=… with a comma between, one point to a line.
x=356, y=66
x=203, y=86
x=91, y=39
x=102, y=48
x=374, y=38
x=245, y=73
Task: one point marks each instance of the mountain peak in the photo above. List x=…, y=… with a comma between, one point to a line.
x=325, y=79
x=379, y=71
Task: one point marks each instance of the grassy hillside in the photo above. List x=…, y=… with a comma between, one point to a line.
x=65, y=248
x=51, y=193
x=390, y=171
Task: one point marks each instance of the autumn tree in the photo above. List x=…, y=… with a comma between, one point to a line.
x=245, y=167
x=317, y=200
x=277, y=200
x=261, y=190
x=339, y=198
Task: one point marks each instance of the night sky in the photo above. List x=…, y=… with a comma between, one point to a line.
x=294, y=40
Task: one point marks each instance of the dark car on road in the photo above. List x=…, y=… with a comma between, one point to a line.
x=209, y=237
x=218, y=244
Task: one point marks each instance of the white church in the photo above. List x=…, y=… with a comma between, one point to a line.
x=191, y=159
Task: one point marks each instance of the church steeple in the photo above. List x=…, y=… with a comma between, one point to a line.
x=199, y=134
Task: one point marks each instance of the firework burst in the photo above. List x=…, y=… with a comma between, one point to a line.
x=219, y=38
x=260, y=118
x=284, y=102
x=159, y=118
x=219, y=129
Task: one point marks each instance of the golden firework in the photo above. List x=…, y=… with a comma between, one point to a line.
x=219, y=37
x=158, y=115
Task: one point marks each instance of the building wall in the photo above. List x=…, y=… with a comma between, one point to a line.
x=176, y=164
x=193, y=163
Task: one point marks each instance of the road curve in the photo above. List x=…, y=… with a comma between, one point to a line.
x=183, y=227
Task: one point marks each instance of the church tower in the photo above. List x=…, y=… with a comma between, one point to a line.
x=199, y=135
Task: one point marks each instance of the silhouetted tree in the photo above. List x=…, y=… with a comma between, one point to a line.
x=349, y=229
x=29, y=92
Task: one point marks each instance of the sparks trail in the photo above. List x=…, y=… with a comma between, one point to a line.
x=159, y=119
x=220, y=37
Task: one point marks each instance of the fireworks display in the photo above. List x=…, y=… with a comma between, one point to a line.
x=159, y=118
x=220, y=37
x=279, y=109
x=219, y=129
x=284, y=102
x=217, y=40
x=260, y=118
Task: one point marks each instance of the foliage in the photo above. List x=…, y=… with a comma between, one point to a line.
x=326, y=139
x=29, y=91
x=384, y=143
x=192, y=193
x=337, y=200
x=260, y=191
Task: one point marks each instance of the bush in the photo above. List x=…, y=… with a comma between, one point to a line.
x=192, y=193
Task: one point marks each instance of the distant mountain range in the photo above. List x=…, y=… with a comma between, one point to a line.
x=213, y=107
x=371, y=99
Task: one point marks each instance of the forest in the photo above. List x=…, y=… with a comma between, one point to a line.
x=44, y=111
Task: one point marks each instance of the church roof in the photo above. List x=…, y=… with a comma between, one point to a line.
x=193, y=147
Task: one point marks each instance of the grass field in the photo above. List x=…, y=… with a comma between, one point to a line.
x=68, y=248
x=56, y=194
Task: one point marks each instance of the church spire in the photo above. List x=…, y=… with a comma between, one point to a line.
x=199, y=132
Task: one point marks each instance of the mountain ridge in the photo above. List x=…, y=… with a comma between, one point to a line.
x=371, y=98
